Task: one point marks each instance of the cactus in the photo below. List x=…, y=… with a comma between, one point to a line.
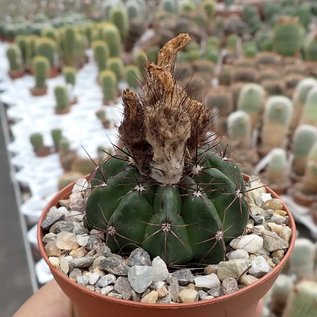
x=267, y=59
x=137, y=28
x=219, y=99
x=252, y=18
x=170, y=195
x=37, y=143
x=41, y=70
x=277, y=171
x=47, y=48
x=70, y=53
x=288, y=36
x=302, y=300
x=273, y=87
x=70, y=75
x=225, y=76
x=209, y=7
x=299, y=99
x=169, y=6
x=132, y=76
x=251, y=100
x=309, y=115
x=276, y=121
x=109, y=86
x=134, y=9
x=310, y=49
x=111, y=36
x=309, y=181
x=56, y=137
x=304, y=138
x=14, y=57
x=239, y=129
x=102, y=116
x=101, y=54
x=245, y=74
x=22, y=41
x=119, y=17
x=140, y=59
x=62, y=100
x=250, y=50
x=115, y=64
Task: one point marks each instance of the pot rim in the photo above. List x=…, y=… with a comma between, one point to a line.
x=66, y=191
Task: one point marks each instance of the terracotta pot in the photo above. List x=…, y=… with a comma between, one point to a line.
x=38, y=91
x=15, y=74
x=62, y=111
x=243, y=303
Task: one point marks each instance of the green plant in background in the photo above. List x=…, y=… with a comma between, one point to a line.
x=252, y=18
x=14, y=58
x=37, y=142
x=232, y=43
x=169, y=6
x=187, y=6
x=304, y=138
x=273, y=87
x=56, y=135
x=132, y=76
x=249, y=49
x=172, y=194
x=47, y=48
x=277, y=172
x=101, y=54
x=105, y=121
x=209, y=8
x=276, y=121
x=137, y=27
x=140, y=59
x=264, y=40
x=62, y=100
x=21, y=41
x=115, y=64
x=69, y=74
x=245, y=74
x=309, y=115
x=152, y=53
x=109, y=86
x=217, y=98
x=134, y=9
x=251, y=100
x=70, y=53
x=51, y=33
x=310, y=48
x=119, y=17
x=81, y=44
x=288, y=36
x=111, y=35
x=302, y=301
x=40, y=67
x=299, y=99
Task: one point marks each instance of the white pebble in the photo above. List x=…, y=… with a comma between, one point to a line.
x=259, y=267
x=250, y=243
x=160, y=271
x=207, y=281
x=238, y=254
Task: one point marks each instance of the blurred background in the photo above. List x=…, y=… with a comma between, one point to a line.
x=64, y=63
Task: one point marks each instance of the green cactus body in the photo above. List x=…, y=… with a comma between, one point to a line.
x=187, y=6
x=209, y=7
x=276, y=121
x=70, y=75
x=239, y=129
x=111, y=36
x=101, y=54
x=109, y=86
x=140, y=59
x=41, y=69
x=169, y=6
x=302, y=300
x=288, y=36
x=47, y=48
x=309, y=181
x=132, y=76
x=70, y=53
x=30, y=51
x=134, y=9
x=183, y=210
x=304, y=138
x=264, y=40
x=57, y=135
x=62, y=100
x=251, y=100
x=50, y=33
x=37, y=141
x=14, y=57
x=21, y=41
x=310, y=49
x=309, y=115
x=277, y=170
x=250, y=50
x=212, y=53
x=119, y=17
x=115, y=64
x=252, y=18
x=245, y=74
x=299, y=99
x=232, y=43
x=219, y=99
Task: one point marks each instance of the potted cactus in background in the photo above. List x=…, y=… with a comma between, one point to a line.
x=62, y=100
x=70, y=80
x=37, y=143
x=41, y=71
x=173, y=193
x=15, y=61
x=109, y=86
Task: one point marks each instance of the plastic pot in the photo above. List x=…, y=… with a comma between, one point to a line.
x=243, y=303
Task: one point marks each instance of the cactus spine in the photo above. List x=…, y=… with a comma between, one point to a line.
x=305, y=137
x=62, y=100
x=277, y=117
x=109, y=86
x=178, y=211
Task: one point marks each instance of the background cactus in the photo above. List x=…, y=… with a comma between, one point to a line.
x=132, y=75
x=47, y=47
x=109, y=86
x=309, y=115
x=119, y=17
x=115, y=64
x=14, y=58
x=62, y=100
x=111, y=36
x=41, y=69
x=70, y=53
x=176, y=209
x=310, y=49
x=304, y=138
x=70, y=75
x=101, y=54
x=309, y=181
x=57, y=135
x=302, y=301
x=37, y=143
x=276, y=121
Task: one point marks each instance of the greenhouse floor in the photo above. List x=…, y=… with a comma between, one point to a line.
x=15, y=277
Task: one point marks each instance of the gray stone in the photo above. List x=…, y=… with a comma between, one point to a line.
x=207, y=281
x=66, y=241
x=258, y=220
x=106, y=290
x=232, y=268
x=74, y=274
x=188, y=295
x=122, y=286
x=203, y=295
x=139, y=257
x=114, y=264
x=76, y=202
x=215, y=292
x=238, y=254
x=184, y=276
x=62, y=226
x=106, y=280
x=140, y=277
x=160, y=271
x=49, y=237
x=92, y=241
x=259, y=267
x=52, y=217
x=278, y=219
x=64, y=265
x=173, y=289
x=101, y=249
x=211, y=268
x=82, y=262
x=79, y=228
x=136, y=297
x=273, y=242
x=250, y=243
x=229, y=285
x=51, y=249
x=93, y=278
x=115, y=295
x=150, y=298
x=164, y=300
x=82, y=280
